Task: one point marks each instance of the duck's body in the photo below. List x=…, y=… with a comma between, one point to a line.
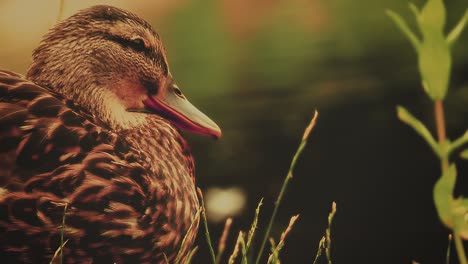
x=121, y=179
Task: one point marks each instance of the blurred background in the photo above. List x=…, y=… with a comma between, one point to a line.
x=259, y=69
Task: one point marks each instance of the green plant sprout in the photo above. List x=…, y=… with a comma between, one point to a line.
x=434, y=61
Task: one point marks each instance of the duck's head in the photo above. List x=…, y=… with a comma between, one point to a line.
x=113, y=64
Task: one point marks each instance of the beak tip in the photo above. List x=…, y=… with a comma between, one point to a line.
x=217, y=134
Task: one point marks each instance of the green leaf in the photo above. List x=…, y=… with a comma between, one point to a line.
x=435, y=63
x=443, y=195
x=460, y=217
x=419, y=127
x=457, y=30
x=415, y=10
x=416, y=13
x=432, y=15
x=464, y=154
x=452, y=212
x=458, y=142
x=403, y=26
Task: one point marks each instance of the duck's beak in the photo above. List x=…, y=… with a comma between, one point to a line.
x=177, y=109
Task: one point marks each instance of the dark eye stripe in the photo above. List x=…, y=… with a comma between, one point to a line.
x=136, y=44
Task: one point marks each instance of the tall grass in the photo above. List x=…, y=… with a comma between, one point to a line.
x=243, y=245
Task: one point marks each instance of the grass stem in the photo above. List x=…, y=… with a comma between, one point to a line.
x=285, y=184
x=328, y=240
x=222, y=240
x=205, y=223
x=320, y=248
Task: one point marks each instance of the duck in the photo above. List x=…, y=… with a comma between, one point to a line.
x=92, y=158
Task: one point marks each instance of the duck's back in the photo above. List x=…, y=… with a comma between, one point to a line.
x=57, y=165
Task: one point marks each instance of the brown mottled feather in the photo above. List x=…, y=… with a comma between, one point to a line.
x=67, y=137
x=121, y=206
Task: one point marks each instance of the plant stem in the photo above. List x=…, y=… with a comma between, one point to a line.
x=205, y=223
x=441, y=135
x=208, y=238
x=449, y=249
x=275, y=211
x=444, y=164
x=222, y=240
x=460, y=248
x=285, y=184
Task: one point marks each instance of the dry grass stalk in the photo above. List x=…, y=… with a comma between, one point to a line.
x=59, y=249
x=321, y=246
x=253, y=227
x=328, y=240
x=274, y=256
x=222, y=240
x=235, y=252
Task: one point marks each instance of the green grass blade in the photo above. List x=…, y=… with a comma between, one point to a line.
x=205, y=223
x=190, y=255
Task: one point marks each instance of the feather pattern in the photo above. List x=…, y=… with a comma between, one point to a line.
x=129, y=192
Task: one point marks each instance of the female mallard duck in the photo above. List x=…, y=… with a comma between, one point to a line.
x=93, y=131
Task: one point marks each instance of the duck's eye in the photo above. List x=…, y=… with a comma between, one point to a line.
x=178, y=92
x=137, y=44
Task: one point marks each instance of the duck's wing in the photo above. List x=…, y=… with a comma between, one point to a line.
x=53, y=155
x=33, y=129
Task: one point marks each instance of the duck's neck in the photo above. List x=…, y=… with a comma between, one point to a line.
x=169, y=165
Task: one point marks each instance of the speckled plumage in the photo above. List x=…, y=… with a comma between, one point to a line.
x=67, y=138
